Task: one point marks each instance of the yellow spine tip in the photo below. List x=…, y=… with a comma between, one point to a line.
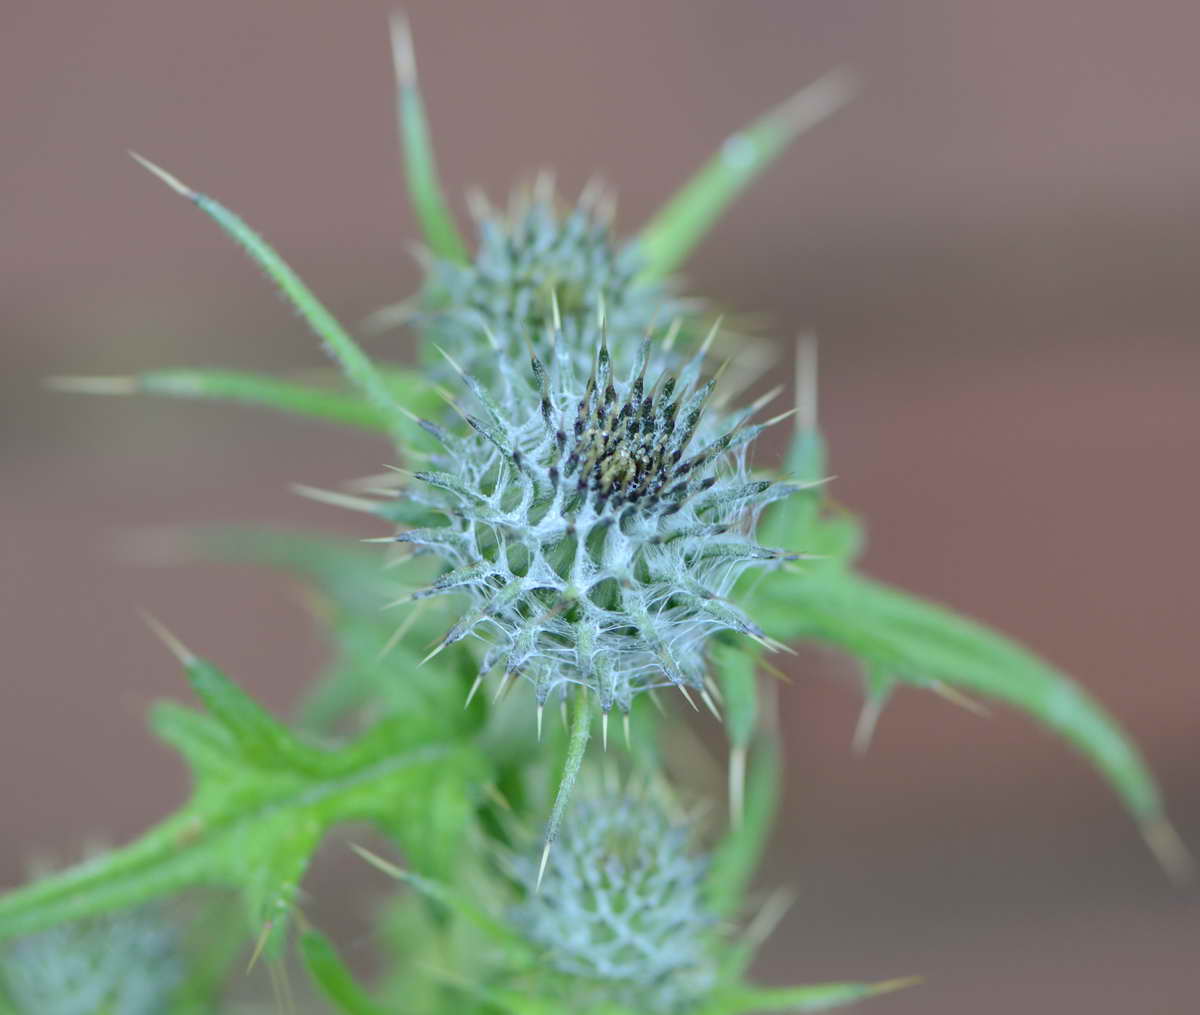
x=93, y=385
x=403, y=58
x=171, y=181
x=177, y=648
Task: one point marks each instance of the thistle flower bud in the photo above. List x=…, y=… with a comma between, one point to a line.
x=621, y=911
x=598, y=507
x=535, y=272
x=127, y=964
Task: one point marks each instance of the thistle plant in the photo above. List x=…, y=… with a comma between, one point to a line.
x=576, y=518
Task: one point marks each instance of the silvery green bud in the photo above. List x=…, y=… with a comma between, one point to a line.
x=536, y=271
x=620, y=912
x=124, y=964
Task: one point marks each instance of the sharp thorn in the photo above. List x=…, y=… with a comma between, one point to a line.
x=781, y=417
x=956, y=697
x=402, y=51
x=900, y=983
x=672, y=334
x=1170, y=850
x=493, y=791
x=344, y=500
x=737, y=785
x=450, y=359
x=399, y=633
x=94, y=385
x=471, y=693
x=503, y=686
x=767, y=399
x=260, y=944
x=710, y=337
x=868, y=719
x=542, y=868
x=478, y=206
x=177, y=648
x=438, y=648
x=167, y=178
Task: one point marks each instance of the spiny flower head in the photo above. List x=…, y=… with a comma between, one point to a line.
x=597, y=521
x=128, y=964
x=621, y=911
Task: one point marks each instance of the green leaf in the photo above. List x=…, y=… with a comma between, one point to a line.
x=818, y=997
x=335, y=980
x=668, y=238
x=922, y=643
x=900, y=637
x=424, y=188
x=344, y=350
x=261, y=803
x=251, y=389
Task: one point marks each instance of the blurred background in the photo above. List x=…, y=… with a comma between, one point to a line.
x=997, y=245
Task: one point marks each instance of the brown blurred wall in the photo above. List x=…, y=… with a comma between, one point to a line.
x=997, y=245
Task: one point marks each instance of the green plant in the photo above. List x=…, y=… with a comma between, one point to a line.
x=581, y=523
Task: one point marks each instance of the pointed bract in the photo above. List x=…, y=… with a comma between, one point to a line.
x=424, y=187
x=669, y=237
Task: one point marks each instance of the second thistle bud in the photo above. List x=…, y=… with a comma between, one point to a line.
x=620, y=912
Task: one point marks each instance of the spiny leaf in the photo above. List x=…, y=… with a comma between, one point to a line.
x=919, y=642
x=818, y=997
x=344, y=350
x=668, y=238
x=255, y=815
x=234, y=386
x=259, y=738
x=424, y=189
x=900, y=637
